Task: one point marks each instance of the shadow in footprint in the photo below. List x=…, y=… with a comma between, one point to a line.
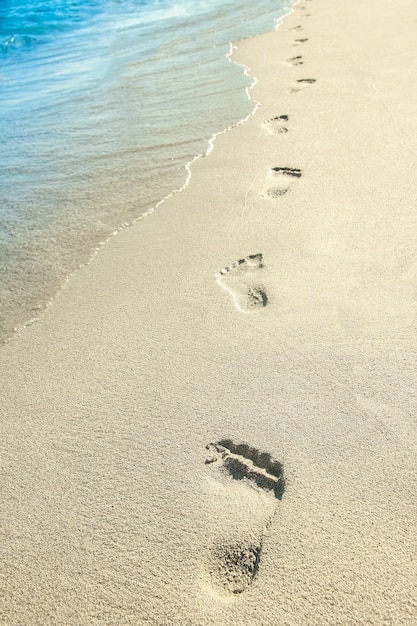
x=298, y=41
x=277, y=124
x=301, y=84
x=235, y=565
x=243, y=461
x=241, y=281
x=297, y=60
x=283, y=178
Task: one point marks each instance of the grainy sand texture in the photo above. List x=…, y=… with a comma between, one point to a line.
x=215, y=421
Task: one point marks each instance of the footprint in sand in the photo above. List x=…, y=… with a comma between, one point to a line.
x=234, y=565
x=299, y=27
x=283, y=178
x=277, y=124
x=297, y=60
x=301, y=84
x=241, y=280
x=297, y=42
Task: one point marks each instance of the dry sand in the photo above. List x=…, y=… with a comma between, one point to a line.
x=270, y=306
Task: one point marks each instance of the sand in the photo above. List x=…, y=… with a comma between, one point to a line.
x=214, y=423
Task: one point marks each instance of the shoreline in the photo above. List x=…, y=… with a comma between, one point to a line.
x=148, y=212
x=215, y=422
x=110, y=229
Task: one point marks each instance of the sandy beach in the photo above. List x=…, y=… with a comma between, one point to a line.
x=215, y=421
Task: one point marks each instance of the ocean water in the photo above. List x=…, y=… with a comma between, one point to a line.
x=102, y=104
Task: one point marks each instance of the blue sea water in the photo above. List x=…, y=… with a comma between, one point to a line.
x=102, y=103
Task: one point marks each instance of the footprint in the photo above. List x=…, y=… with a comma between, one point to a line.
x=300, y=84
x=299, y=27
x=234, y=565
x=241, y=280
x=283, y=178
x=298, y=60
x=297, y=42
x=277, y=124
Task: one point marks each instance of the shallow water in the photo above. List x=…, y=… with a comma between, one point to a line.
x=102, y=105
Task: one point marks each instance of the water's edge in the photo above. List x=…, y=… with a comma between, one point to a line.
x=188, y=174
